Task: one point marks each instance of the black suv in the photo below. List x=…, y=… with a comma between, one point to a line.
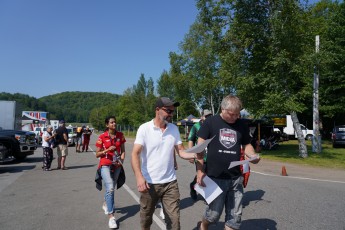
x=338, y=135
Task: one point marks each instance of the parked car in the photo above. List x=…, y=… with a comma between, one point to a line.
x=72, y=134
x=338, y=136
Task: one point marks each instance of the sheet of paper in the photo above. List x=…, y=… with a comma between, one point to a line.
x=199, y=148
x=236, y=163
x=245, y=168
x=210, y=192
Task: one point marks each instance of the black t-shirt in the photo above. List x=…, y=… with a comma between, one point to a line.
x=225, y=146
x=80, y=131
x=59, y=135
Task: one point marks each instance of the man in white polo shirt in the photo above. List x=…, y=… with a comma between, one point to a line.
x=155, y=146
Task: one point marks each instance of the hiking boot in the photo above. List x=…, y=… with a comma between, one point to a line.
x=193, y=194
x=112, y=222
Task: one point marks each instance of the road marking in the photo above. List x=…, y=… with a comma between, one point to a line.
x=300, y=178
x=136, y=198
x=156, y=219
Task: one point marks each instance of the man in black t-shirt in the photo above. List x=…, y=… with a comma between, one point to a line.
x=230, y=135
x=62, y=149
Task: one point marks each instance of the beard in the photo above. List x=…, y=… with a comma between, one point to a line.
x=166, y=118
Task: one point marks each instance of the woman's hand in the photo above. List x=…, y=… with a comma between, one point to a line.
x=111, y=148
x=118, y=162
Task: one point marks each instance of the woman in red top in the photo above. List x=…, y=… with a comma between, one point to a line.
x=111, y=151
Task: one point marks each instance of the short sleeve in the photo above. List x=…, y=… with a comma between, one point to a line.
x=192, y=134
x=140, y=137
x=99, y=142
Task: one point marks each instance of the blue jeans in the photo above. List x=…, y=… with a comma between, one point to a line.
x=109, y=178
x=231, y=199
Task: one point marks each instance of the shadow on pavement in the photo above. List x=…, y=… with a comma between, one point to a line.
x=81, y=166
x=259, y=224
x=186, y=202
x=16, y=168
x=255, y=224
x=128, y=212
x=251, y=196
x=32, y=159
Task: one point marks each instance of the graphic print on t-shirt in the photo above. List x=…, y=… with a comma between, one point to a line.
x=227, y=137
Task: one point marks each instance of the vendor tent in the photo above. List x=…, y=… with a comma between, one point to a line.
x=188, y=122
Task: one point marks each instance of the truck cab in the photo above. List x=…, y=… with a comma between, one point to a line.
x=16, y=143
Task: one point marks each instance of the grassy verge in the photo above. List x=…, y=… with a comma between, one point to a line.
x=288, y=152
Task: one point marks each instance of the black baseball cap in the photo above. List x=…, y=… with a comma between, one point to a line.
x=165, y=101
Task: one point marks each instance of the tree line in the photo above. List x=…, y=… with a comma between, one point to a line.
x=264, y=52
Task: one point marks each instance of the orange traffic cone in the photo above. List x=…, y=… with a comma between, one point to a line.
x=284, y=171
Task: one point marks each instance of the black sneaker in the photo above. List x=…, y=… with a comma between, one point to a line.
x=193, y=194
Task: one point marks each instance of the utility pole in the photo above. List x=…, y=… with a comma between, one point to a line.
x=316, y=120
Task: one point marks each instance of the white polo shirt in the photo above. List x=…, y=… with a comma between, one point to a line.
x=157, y=156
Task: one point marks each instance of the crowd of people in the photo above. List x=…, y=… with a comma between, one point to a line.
x=59, y=139
x=153, y=161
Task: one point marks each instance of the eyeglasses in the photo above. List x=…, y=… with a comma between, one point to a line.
x=168, y=111
x=231, y=114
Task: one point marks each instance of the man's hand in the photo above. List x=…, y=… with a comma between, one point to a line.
x=256, y=160
x=142, y=185
x=200, y=177
x=250, y=153
x=200, y=155
x=253, y=156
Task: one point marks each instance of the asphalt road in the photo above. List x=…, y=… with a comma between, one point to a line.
x=308, y=198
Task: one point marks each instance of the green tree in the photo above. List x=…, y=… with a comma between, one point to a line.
x=331, y=60
x=195, y=71
x=76, y=106
x=164, y=85
x=136, y=106
x=98, y=115
x=258, y=47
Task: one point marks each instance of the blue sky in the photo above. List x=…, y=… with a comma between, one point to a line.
x=53, y=46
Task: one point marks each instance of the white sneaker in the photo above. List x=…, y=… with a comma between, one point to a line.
x=161, y=213
x=104, y=206
x=112, y=222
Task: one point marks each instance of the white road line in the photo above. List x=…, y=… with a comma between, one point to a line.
x=156, y=219
x=300, y=178
x=136, y=198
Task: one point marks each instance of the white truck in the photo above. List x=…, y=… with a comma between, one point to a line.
x=14, y=143
x=290, y=131
x=7, y=115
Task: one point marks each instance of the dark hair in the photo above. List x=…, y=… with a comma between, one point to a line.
x=107, y=119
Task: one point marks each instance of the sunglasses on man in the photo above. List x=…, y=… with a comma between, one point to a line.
x=168, y=111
